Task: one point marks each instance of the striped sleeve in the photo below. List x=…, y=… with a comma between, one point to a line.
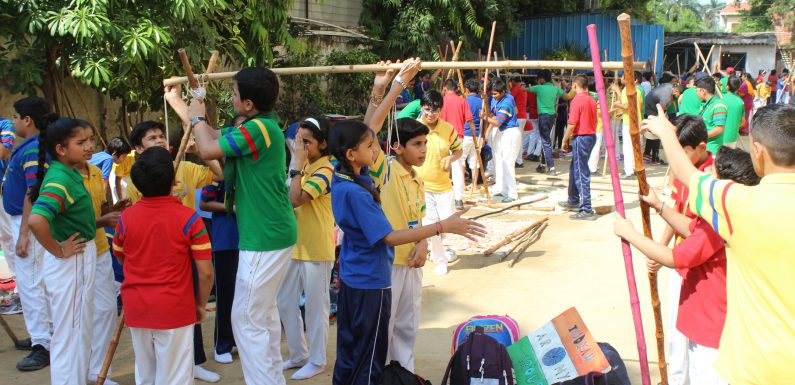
x=200, y=248
x=719, y=113
x=455, y=143
x=319, y=182
x=30, y=165
x=228, y=119
x=7, y=134
x=716, y=201
x=504, y=112
x=379, y=170
x=118, y=239
x=54, y=198
x=210, y=192
x=251, y=138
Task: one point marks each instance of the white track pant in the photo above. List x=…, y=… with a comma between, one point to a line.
x=405, y=319
x=31, y=287
x=469, y=156
x=701, y=365
x=522, y=134
x=255, y=317
x=593, y=159
x=163, y=356
x=438, y=207
x=677, y=342
x=626, y=147
x=311, y=278
x=510, y=141
x=71, y=283
x=104, y=311
x=7, y=238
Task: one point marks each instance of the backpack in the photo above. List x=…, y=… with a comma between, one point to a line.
x=395, y=374
x=479, y=360
x=502, y=328
x=616, y=376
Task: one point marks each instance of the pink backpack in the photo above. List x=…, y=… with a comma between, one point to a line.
x=502, y=328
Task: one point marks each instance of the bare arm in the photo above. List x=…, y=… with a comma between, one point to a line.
x=204, y=270
x=41, y=230
x=22, y=241
x=208, y=147
x=655, y=251
x=297, y=194
x=453, y=224
x=680, y=164
x=715, y=131
x=375, y=116
x=212, y=206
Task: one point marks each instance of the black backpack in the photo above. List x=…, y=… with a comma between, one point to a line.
x=616, y=376
x=480, y=357
x=395, y=374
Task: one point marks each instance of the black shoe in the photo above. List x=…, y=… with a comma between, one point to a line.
x=533, y=158
x=584, y=216
x=552, y=172
x=541, y=168
x=459, y=204
x=569, y=206
x=23, y=344
x=498, y=195
x=38, y=358
x=519, y=165
x=507, y=200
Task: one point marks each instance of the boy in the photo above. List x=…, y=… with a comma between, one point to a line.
x=546, y=97
x=626, y=139
x=756, y=344
x=444, y=149
x=506, y=141
x=116, y=152
x=519, y=94
x=254, y=176
x=735, y=113
x=469, y=154
x=713, y=111
x=28, y=115
x=580, y=137
x=455, y=111
x=689, y=102
x=701, y=261
x=157, y=240
x=7, y=139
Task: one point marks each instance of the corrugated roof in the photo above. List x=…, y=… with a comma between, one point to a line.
x=720, y=38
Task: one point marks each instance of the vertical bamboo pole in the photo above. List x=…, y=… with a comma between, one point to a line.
x=194, y=84
x=486, y=108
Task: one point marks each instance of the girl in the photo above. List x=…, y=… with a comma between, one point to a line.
x=309, y=270
x=62, y=220
x=367, y=254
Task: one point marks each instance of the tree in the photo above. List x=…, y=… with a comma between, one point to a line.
x=126, y=47
x=686, y=15
x=762, y=14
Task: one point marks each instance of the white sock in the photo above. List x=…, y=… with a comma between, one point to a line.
x=205, y=375
x=308, y=371
x=224, y=358
x=290, y=364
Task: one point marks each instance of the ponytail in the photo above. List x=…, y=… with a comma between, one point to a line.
x=345, y=136
x=54, y=131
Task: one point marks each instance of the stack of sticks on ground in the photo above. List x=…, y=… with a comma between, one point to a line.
x=521, y=240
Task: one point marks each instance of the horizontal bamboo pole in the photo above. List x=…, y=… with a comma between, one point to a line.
x=441, y=65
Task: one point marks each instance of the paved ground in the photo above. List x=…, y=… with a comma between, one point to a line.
x=575, y=264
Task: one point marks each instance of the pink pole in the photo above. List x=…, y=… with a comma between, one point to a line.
x=619, y=200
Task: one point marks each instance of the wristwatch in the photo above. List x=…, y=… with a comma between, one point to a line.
x=196, y=120
x=295, y=173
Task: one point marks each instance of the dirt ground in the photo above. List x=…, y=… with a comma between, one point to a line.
x=574, y=264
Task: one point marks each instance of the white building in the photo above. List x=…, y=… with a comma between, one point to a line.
x=746, y=52
x=730, y=15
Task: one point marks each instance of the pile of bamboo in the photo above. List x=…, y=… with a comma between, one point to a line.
x=521, y=239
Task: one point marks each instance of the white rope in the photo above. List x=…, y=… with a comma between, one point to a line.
x=165, y=107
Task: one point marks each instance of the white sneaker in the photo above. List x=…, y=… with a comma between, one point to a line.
x=205, y=375
x=308, y=371
x=92, y=379
x=451, y=256
x=290, y=364
x=440, y=269
x=224, y=358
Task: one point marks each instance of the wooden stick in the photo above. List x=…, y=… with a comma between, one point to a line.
x=496, y=58
x=512, y=236
x=440, y=65
x=8, y=330
x=678, y=67
x=212, y=63
x=187, y=129
x=485, y=107
x=521, y=240
x=191, y=79
x=640, y=171
x=103, y=372
x=539, y=199
x=708, y=58
x=654, y=63
x=530, y=242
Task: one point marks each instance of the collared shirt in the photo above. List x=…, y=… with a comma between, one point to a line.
x=520, y=98
x=223, y=232
x=546, y=97
x=505, y=112
x=442, y=141
x=756, y=346
x=582, y=114
x=455, y=111
x=158, y=238
x=21, y=174
x=412, y=110
x=314, y=218
x=7, y=140
x=689, y=103
x=714, y=114
x=65, y=203
x=365, y=260
x=735, y=111
x=104, y=161
x=96, y=188
x=475, y=105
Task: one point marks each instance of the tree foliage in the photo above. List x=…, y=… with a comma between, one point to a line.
x=686, y=15
x=762, y=14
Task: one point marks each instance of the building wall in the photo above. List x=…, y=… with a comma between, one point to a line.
x=758, y=57
x=344, y=13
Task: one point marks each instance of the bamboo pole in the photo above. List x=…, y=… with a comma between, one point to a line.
x=656, y=45
x=440, y=65
x=485, y=107
x=678, y=67
x=627, y=56
x=8, y=330
x=536, y=236
x=512, y=236
x=194, y=84
x=114, y=342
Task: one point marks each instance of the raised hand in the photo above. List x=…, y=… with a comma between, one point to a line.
x=658, y=125
x=409, y=69
x=382, y=78
x=464, y=227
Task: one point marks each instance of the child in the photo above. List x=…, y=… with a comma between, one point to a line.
x=114, y=154
x=713, y=111
x=254, y=177
x=506, y=140
x=701, y=261
x=20, y=177
x=581, y=132
x=309, y=270
x=455, y=111
x=756, y=344
x=62, y=219
x=735, y=112
x=444, y=149
x=469, y=151
x=157, y=240
x=519, y=93
x=547, y=95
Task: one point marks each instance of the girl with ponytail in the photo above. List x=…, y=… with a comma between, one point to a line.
x=62, y=220
x=367, y=254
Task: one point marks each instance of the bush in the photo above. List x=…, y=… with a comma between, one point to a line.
x=349, y=93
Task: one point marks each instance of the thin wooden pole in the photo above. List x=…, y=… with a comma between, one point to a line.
x=114, y=342
x=656, y=45
x=485, y=107
x=194, y=84
x=640, y=171
x=678, y=67
x=8, y=330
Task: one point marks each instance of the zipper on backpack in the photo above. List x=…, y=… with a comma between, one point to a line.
x=467, y=362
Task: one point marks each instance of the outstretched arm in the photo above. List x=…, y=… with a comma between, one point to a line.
x=377, y=112
x=680, y=164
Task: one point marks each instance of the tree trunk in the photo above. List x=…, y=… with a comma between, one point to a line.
x=49, y=87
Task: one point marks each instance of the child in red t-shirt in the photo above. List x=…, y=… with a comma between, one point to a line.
x=580, y=137
x=701, y=261
x=157, y=240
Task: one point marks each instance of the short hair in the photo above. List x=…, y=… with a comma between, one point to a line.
x=472, y=85
x=691, y=130
x=638, y=76
x=516, y=78
x=581, y=81
x=260, y=85
x=707, y=83
x=153, y=173
x=117, y=146
x=666, y=78
x=408, y=129
x=432, y=99
x=772, y=72
x=498, y=85
x=451, y=84
x=546, y=75
x=734, y=84
x=34, y=107
x=774, y=127
x=140, y=130
x=735, y=164
x=647, y=75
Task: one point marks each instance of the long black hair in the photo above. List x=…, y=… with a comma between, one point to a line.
x=55, y=131
x=320, y=131
x=344, y=136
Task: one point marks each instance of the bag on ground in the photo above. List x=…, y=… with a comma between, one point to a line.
x=480, y=359
x=616, y=376
x=395, y=374
x=502, y=328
